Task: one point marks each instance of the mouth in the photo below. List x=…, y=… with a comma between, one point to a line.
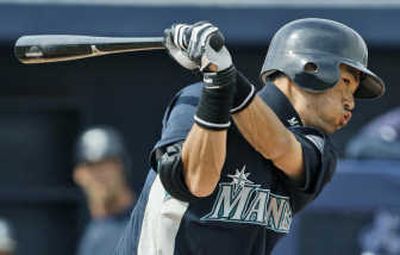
x=344, y=120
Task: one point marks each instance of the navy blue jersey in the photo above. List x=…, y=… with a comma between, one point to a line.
x=253, y=204
x=101, y=235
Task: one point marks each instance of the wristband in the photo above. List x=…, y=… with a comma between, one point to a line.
x=244, y=94
x=213, y=111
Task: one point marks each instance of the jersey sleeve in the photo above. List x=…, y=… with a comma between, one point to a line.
x=319, y=159
x=178, y=119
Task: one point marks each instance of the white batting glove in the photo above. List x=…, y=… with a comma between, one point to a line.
x=198, y=46
x=175, y=44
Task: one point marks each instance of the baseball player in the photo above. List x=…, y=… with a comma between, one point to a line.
x=8, y=244
x=233, y=166
x=101, y=170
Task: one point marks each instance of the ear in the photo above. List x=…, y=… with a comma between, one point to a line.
x=286, y=86
x=78, y=175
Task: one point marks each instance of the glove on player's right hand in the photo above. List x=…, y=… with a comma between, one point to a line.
x=198, y=46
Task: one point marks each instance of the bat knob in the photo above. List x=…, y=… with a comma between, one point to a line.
x=217, y=41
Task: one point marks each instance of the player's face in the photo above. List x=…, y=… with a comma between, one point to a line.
x=104, y=176
x=332, y=109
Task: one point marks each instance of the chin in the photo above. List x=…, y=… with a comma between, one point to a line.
x=331, y=129
x=339, y=127
x=325, y=126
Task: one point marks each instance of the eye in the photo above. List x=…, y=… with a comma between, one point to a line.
x=346, y=81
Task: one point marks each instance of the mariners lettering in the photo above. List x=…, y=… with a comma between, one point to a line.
x=242, y=201
x=230, y=206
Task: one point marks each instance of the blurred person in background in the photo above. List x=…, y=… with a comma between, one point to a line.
x=379, y=139
x=102, y=171
x=7, y=242
x=382, y=235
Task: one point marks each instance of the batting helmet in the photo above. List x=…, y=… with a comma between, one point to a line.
x=322, y=45
x=99, y=143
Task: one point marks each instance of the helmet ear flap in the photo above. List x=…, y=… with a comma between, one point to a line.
x=317, y=74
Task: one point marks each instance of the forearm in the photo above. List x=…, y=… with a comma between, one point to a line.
x=266, y=133
x=262, y=128
x=203, y=152
x=203, y=156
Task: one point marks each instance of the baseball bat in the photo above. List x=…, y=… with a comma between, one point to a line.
x=36, y=49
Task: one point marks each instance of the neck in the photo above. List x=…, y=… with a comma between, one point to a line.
x=115, y=204
x=293, y=94
x=277, y=98
x=123, y=200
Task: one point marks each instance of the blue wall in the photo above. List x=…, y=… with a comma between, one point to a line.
x=130, y=91
x=246, y=26
x=335, y=222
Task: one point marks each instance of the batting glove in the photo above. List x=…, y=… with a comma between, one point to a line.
x=175, y=42
x=198, y=46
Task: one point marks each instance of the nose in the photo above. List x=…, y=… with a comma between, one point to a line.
x=349, y=103
x=348, y=98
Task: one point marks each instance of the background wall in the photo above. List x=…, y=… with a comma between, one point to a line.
x=43, y=107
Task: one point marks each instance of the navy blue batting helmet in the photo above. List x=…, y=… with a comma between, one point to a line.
x=323, y=45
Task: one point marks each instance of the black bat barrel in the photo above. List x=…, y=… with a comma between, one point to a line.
x=37, y=49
